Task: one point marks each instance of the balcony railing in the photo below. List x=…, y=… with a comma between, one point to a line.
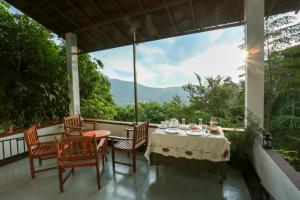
x=13, y=147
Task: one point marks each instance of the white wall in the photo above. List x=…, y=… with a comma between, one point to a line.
x=272, y=177
x=116, y=130
x=52, y=129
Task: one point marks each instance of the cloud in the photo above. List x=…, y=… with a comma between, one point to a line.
x=162, y=64
x=220, y=59
x=215, y=35
x=150, y=51
x=151, y=55
x=168, y=40
x=123, y=73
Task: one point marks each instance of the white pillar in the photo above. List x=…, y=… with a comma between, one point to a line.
x=254, y=36
x=72, y=67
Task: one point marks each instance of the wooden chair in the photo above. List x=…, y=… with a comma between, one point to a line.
x=77, y=151
x=130, y=145
x=72, y=125
x=38, y=150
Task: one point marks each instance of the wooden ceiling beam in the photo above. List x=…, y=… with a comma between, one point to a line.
x=149, y=19
x=171, y=19
x=70, y=2
x=35, y=8
x=99, y=10
x=69, y=19
x=116, y=2
x=191, y=32
x=137, y=13
x=270, y=8
x=193, y=14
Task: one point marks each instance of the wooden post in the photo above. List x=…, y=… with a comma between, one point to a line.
x=135, y=82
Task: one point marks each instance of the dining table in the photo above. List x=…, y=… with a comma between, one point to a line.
x=169, y=146
x=99, y=134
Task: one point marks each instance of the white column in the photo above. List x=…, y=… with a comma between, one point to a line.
x=72, y=67
x=254, y=36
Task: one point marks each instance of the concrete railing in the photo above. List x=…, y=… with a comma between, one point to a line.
x=277, y=176
x=273, y=175
x=13, y=145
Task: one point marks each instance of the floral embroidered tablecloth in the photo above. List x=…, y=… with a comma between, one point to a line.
x=210, y=147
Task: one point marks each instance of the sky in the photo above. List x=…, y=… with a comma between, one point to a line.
x=173, y=61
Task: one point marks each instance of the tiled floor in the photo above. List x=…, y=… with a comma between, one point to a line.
x=184, y=182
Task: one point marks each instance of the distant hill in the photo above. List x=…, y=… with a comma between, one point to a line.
x=122, y=92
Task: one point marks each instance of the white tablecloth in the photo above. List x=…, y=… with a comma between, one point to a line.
x=210, y=147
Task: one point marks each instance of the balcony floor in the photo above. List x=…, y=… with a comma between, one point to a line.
x=173, y=183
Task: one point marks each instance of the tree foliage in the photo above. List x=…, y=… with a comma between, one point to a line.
x=34, y=80
x=32, y=74
x=96, y=99
x=218, y=97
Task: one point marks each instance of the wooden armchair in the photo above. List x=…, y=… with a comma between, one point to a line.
x=77, y=151
x=130, y=145
x=72, y=125
x=38, y=150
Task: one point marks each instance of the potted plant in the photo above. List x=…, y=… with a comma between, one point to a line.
x=242, y=143
x=7, y=125
x=55, y=118
x=5, y=119
x=37, y=119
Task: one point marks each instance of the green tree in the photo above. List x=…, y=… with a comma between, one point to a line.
x=151, y=111
x=96, y=99
x=281, y=32
x=216, y=97
x=32, y=76
x=34, y=80
x=125, y=113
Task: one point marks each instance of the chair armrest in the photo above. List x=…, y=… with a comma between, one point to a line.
x=128, y=129
x=101, y=143
x=75, y=127
x=46, y=143
x=119, y=138
x=50, y=134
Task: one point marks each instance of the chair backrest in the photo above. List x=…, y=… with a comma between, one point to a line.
x=77, y=148
x=140, y=132
x=31, y=137
x=72, y=123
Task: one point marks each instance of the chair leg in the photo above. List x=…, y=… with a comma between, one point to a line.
x=73, y=171
x=98, y=175
x=113, y=156
x=31, y=167
x=105, y=149
x=40, y=161
x=133, y=162
x=60, y=179
x=103, y=167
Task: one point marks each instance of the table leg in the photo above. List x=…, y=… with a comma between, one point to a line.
x=223, y=172
x=157, y=170
x=106, y=148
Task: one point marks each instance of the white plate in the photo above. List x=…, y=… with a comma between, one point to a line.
x=195, y=133
x=172, y=130
x=160, y=127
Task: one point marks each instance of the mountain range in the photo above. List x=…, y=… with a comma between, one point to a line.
x=123, y=94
